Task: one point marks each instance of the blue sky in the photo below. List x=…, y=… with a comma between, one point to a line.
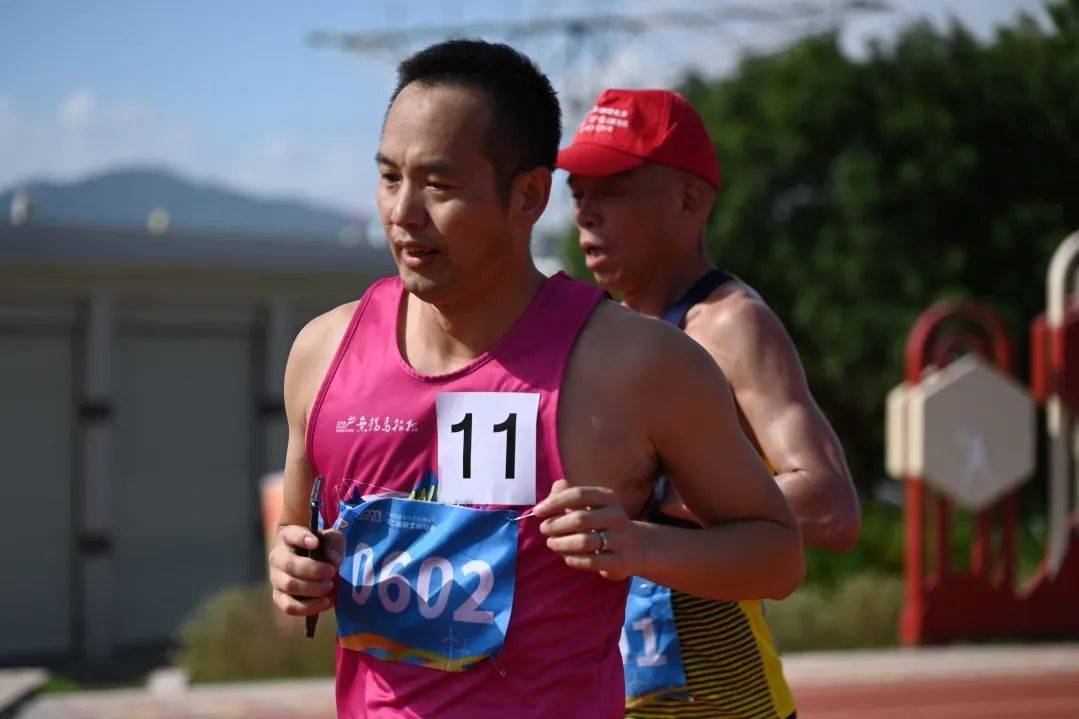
x=230, y=92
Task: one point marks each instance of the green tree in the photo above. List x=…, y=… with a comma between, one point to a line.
x=857, y=192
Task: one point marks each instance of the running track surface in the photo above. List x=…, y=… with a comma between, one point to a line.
x=977, y=682
x=1053, y=696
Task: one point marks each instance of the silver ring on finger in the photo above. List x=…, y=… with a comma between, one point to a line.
x=602, y=534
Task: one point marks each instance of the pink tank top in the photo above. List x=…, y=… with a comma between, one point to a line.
x=373, y=425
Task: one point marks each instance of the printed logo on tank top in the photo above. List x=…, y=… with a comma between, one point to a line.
x=361, y=423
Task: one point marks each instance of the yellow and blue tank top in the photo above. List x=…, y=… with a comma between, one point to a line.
x=729, y=665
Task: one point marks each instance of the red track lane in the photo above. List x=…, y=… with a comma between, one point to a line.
x=1044, y=696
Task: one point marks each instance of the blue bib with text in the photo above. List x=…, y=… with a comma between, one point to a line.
x=651, y=655
x=426, y=583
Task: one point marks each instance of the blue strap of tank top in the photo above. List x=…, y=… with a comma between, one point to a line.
x=706, y=285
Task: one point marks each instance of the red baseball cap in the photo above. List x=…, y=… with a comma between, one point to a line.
x=626, y=128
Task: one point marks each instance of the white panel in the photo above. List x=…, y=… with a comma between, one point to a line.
x=1059, y=421
x=35, y=492
x=896, y=432
x=976, y=429
x=185, y=491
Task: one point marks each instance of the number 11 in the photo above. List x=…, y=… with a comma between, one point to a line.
x=509, y=426
x=465, y=425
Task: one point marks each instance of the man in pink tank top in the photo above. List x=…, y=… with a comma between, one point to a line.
x=532, y=416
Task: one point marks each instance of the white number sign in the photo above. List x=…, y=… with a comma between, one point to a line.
x=487, y=447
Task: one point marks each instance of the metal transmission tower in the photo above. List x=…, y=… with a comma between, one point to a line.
x=587, y=37
x=579, y=47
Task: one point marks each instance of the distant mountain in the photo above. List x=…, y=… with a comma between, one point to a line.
x=125, y=199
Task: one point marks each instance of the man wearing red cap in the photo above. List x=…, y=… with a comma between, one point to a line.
x=644, y=175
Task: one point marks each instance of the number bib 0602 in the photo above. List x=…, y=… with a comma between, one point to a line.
x=426, y=583
x=651, y=655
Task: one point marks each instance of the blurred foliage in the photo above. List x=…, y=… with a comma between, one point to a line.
x=880, y=546
x=861, y=611
x=60, y=684
x=239, y=634
x=858, y=192
x=853, y=600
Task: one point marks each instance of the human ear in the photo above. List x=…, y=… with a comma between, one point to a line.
x=696, y=197
x=692, y=198
x=530, y=192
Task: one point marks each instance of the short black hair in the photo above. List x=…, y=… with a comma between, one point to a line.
x=526, y=120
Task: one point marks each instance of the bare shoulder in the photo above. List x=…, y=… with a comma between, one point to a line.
x=322, y=334
x=633, y=348
x=746, y=337
x=628, y=374
x=311, y=355
x=735, y=324
x=733, y=311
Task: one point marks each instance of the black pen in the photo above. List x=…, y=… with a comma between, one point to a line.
x=312, y=524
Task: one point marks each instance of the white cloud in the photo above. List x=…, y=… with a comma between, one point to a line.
x=84, y=135
x=88, y=133
x=323, y=169
x=77, y=110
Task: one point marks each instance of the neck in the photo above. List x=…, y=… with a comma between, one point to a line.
x=666, y=283
x=438, y=338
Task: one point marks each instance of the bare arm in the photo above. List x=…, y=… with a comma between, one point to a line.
x=750, y=546
x=299, y=475
x=301, y=585
x=762, y=364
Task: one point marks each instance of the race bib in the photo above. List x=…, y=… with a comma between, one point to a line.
x=487, y=447
x=651, y=655
x=425, y=583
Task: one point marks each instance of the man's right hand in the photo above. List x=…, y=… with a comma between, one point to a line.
x=303, y=586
